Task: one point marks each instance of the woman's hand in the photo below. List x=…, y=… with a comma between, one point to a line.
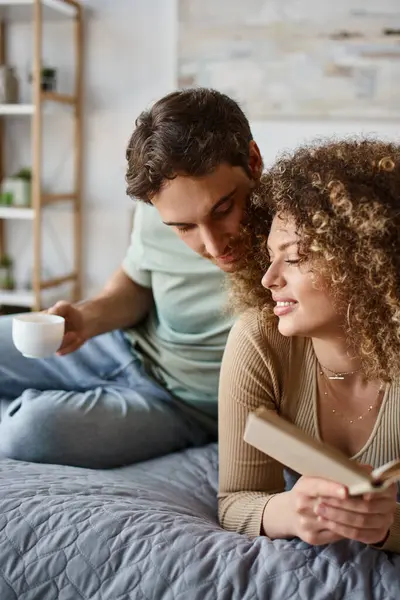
x=304, y=498
x=364, y=518
x=323, y=512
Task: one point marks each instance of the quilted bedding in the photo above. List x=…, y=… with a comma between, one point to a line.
x=150, y=532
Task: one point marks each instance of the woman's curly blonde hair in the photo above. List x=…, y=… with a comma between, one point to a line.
x=344, y=197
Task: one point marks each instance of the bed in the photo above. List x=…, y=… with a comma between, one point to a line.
x=150, y=532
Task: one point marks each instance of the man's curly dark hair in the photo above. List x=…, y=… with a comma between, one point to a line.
x=344, y=197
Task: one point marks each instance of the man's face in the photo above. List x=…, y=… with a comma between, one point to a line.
x=206, y=212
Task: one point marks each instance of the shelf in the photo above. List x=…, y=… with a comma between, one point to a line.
x=17, y=298
x=22, y=10
x=35, y=110
x=58, y=98
x=56, y=281
x=53, y=198
x=27, y=297
x=17, y=109
x=29, y=109
x=11, y=212
x=14, y=212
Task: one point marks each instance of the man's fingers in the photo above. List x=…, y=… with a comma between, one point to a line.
x=71, y=342
x=69, y=339
x=61, y=308
x=68, y=349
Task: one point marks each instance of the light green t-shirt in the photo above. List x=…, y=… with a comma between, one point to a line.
x=183, y=338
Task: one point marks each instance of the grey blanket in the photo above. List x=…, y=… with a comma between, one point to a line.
x=150, y=532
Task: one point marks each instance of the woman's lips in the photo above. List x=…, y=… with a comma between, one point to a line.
x=283, y=308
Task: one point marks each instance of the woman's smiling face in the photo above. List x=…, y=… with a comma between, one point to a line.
x=302, y=304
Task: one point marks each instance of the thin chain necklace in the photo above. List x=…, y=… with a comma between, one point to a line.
x=353, y=420
x=338, y=375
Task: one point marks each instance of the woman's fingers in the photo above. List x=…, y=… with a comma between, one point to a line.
x=326, y=537
x=364, y=535
x=389, y=494
x=325, y=512
x=315, y=487
x=378, y=504
x=365, y=519
x=314, y=533
x=354, y=519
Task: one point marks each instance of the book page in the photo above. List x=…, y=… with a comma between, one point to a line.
x=388, y=472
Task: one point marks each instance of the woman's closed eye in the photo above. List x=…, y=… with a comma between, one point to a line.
x=288, y=261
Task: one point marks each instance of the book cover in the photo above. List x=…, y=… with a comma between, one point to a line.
x=293, y=448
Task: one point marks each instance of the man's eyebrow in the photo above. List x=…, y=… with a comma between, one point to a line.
x=212, y=211
x=285, y=245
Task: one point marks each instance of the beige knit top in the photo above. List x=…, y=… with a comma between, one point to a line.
x=263, y=368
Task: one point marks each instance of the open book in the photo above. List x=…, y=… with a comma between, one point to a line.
x=289, y=445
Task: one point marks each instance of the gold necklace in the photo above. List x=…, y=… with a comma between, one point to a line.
x=338, y=375
x=341, y=415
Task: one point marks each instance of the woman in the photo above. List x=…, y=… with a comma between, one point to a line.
x=320, y=343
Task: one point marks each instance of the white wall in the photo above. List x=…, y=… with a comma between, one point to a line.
x=130, y=61
x=274, y=137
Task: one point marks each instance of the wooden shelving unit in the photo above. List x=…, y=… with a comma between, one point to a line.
x=35, y=11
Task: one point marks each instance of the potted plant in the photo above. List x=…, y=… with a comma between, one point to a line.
x=19, y=188
x=24, y=173
x=6, y=197
x=6, y=273
x=48, y=79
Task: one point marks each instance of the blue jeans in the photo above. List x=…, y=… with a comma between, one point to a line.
x=93, y=408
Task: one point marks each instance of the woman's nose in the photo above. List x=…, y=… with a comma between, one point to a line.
x=272, y=277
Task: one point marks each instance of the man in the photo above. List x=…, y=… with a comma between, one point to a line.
x=137, y=373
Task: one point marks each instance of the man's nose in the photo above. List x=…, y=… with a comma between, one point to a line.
x=215, y=242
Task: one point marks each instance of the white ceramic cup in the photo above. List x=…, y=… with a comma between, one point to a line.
x=37, y=335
